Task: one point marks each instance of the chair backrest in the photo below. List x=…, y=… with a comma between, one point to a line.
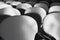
x=51, y=25
x=18, y=28
x=42, y=5
x=55, y=9
x=24, y=6
x=9, y=11
x=45, y=2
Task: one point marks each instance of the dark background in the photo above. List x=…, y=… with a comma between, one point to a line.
x=37, y=1
x=49, y=1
